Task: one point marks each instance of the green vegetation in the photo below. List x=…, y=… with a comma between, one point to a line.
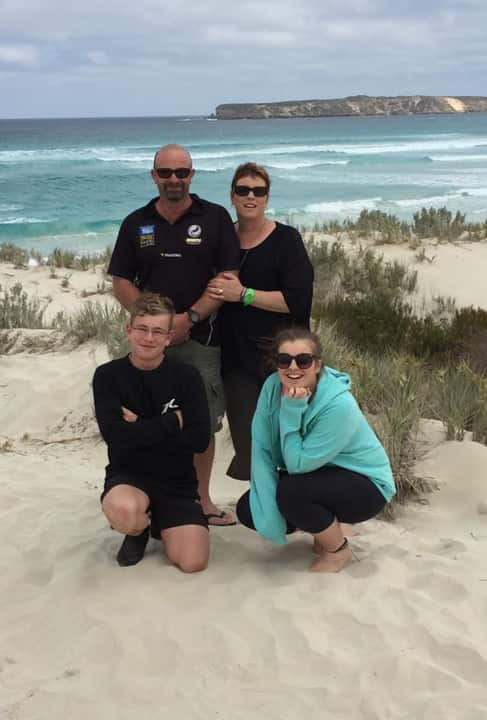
x=57, y=259
x=104, y=323
x=430, y=222
x=17, y=310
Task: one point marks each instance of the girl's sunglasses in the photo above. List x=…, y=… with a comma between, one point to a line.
x=244, y=190
x=303, y=360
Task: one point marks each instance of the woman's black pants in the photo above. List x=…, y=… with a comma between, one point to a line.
x=311, y=501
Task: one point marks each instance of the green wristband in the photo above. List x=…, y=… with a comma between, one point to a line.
x=249, y=296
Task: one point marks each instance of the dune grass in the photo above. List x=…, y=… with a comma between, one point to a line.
x=438, y=223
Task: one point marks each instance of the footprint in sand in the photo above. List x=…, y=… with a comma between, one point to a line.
x=448, y=547
x=438, y=586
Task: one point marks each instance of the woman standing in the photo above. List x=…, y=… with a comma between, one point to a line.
x=273, y=290
x=316, y=462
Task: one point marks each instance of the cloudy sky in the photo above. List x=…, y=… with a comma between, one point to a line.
x=154, y=57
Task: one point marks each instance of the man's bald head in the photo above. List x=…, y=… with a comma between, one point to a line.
x=169, y=154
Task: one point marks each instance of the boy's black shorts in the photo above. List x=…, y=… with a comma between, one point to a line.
x=167, y=510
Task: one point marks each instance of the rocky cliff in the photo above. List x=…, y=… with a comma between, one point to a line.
x=354, y=105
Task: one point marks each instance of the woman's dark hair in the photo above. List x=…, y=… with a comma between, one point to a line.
x=290, y=335
x=250, y=169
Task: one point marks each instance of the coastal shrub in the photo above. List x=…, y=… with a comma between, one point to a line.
x=390, y=228
x=439, y=223
x=329, y=261
x=372, y=323
x=354, y=276
x=443, y=307
x=105, y=323
x=367, y=273
x=337, y=351
x=392, y=389
x=421, y=256
x=333, y=227
x=61, y=258
x=427, y=223
x=479, y=422
x=474, y=351
x=376, y=323
x=17, y=310
x=458, y=398
x=13, y=254
x=75, y=261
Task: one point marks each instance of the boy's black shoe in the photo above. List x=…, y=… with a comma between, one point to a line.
x=132, y=549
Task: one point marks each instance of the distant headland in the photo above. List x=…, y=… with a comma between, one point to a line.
x=353, y=105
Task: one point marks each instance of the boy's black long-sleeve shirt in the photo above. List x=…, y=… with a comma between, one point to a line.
x=154, y=445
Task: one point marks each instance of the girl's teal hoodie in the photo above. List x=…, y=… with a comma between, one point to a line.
x=300, y=436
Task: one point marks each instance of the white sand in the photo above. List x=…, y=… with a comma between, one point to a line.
x=400, y=633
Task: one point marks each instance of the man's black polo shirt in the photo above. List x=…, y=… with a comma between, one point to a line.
x=177, y=260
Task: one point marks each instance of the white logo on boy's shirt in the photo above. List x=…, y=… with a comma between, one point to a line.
x=171, y=405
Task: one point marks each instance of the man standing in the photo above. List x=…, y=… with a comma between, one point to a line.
x=153, y=414
x=174, y=246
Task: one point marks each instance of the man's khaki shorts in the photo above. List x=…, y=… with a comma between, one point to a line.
x=207, y=360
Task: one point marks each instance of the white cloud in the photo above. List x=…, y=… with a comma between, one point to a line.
x=98, y=57
x=232, y=35
x=202, y=54
x=22, y=56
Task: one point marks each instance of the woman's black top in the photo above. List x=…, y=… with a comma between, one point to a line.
x=280, y=262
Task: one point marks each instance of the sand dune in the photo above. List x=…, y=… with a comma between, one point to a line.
x=400, y=633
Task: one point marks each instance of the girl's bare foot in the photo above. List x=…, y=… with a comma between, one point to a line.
x=332, y=561
x=347, y=531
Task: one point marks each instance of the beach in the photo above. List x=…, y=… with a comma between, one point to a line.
x=399, y=633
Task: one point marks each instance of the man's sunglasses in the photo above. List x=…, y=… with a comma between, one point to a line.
x=166, y=173
x=244, y=190
x=303, y=360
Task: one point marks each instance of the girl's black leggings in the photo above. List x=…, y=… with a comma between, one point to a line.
x=311, y=501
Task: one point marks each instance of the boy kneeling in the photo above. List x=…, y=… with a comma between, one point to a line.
x=153, y=414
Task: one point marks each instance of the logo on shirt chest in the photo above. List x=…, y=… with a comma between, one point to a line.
x=193, y=235
x=171, y=405
x=147, y=236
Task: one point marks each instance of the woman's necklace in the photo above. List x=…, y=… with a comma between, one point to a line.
x=244, y=258
x=247, y=250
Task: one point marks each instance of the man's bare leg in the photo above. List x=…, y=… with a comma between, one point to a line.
x=187, y=546
x=203, y=463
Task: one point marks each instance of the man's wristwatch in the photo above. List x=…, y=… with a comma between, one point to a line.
x=194, y=316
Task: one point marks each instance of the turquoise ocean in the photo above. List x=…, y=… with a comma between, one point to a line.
x=69, y=183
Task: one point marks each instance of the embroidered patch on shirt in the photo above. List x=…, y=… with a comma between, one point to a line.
x=193, y=241
x=146, y=235
x=194, y=231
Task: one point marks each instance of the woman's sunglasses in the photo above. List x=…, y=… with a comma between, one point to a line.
x=244, y=190
x=180, y=173
x=303, y=360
